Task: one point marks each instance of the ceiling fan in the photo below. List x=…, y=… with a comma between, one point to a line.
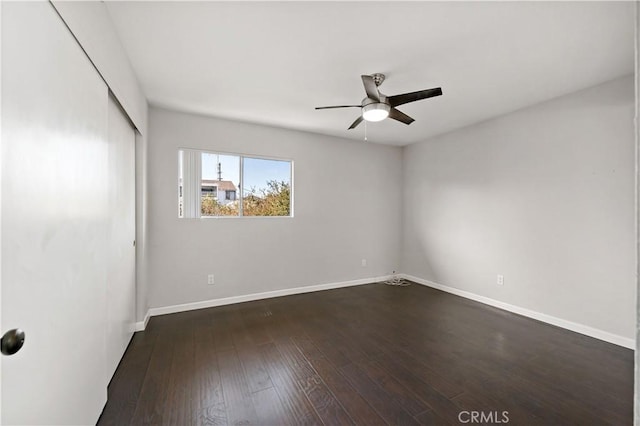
x=377, y=107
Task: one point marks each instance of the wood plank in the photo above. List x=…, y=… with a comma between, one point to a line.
x=328, y=408
x=208, y=398
x=237, y=397
x=357, y=407
x=408, y=371
x=376, y=396
x=154, y=392
x=257, y=377
x=178, y=408
x=404, y=396
x=126, y=384
x=295, y=402
x=269, y=408
x=222, y=335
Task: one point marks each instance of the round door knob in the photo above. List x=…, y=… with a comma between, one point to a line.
x=12, y=341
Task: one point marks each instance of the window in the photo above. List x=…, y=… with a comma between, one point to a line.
x=214, y=184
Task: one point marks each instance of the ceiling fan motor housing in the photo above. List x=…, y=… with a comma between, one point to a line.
x=369, y=101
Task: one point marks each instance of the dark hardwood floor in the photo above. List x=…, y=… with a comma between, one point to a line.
x=367, y=355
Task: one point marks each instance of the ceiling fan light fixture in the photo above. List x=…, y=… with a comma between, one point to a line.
x=376, y=111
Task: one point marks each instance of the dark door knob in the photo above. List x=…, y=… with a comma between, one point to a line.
x=12, y=341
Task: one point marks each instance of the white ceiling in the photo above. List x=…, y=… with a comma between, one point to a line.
x=272, y=63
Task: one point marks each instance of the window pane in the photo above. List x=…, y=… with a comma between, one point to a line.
x=219, y=184
x=266, y=187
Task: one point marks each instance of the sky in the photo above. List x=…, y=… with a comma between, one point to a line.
x=257, y=171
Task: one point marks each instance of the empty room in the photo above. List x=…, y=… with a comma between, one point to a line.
x=318, y=212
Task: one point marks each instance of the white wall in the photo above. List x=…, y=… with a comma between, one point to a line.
x=91, y=24
x=544, y=196
x=323, y=243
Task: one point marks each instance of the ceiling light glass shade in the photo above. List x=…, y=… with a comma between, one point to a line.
x=375, y=112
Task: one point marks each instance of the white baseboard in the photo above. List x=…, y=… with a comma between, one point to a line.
x=569, y=325
x=140, y=326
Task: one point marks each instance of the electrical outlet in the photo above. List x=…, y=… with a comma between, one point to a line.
x=210, y=279
x=500, y=280
x=364, y=262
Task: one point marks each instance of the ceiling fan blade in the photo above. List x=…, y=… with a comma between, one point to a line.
x=340, y=106
x=355, y=123
x=371, y=88
x=405, y=98
x=400, y=116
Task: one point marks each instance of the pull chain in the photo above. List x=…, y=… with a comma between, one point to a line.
x=365, y=130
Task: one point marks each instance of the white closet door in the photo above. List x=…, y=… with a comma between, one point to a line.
x=121, y=290
x=54, y=221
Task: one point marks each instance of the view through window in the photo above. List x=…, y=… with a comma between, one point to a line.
x=215, y=184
